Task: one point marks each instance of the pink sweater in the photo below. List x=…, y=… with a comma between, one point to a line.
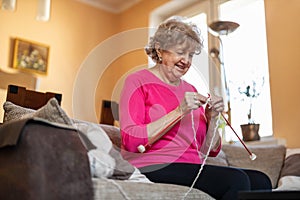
x=145, y=98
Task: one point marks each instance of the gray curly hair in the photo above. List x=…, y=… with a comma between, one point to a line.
x=172, y=32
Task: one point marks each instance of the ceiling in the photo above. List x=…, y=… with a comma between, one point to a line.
x=114, y=6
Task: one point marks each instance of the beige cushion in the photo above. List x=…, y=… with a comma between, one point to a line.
x=269, y=159
x=119, y=190
x=220, y=159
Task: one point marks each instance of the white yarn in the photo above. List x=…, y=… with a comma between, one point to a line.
x=199, y=153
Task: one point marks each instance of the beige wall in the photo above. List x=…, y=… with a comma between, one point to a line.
x=283, y=32
x=75, y=30
x=133, y=18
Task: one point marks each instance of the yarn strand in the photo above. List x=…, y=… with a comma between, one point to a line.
x=199, y=153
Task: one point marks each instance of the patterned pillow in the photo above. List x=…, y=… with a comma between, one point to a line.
x=14, y=112
x=51, y=112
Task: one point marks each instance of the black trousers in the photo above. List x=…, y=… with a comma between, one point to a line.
x=217, y=181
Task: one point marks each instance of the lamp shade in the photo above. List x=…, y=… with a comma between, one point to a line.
x=223, y=27
x=8, y=5
x=43, y=10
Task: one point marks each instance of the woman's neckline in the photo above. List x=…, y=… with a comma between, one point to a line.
x=157, y=75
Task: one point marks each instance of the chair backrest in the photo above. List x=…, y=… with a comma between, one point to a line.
x=29, y=98
x=109, y=112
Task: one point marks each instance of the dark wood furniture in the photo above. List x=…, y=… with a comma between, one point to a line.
x=109, y=112
x=29, y=98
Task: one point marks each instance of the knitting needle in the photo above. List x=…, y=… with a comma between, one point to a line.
x=252, y=155
x=142, y=148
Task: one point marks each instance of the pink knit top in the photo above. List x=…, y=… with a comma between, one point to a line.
x=145, y=98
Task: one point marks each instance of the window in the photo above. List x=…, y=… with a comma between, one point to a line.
x=198, y=74
x=246, y=60
x=244, y=55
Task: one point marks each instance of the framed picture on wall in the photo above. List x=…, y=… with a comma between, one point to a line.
x=30, y=56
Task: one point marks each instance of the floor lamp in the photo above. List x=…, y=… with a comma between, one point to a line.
x=222, y=28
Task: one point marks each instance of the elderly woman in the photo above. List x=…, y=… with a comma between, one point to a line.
x=177, y=123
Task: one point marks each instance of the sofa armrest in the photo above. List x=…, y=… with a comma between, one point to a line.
x=47, y=161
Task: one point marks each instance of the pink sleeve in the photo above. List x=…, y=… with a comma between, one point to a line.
x=132, y=115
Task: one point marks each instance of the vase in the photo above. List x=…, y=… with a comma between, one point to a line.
x=250, y=132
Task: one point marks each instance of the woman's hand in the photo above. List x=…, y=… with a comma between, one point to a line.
x=192, y=101
x=212, y=110
x=214, y=107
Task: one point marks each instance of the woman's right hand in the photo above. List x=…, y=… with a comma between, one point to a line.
x=192, y=101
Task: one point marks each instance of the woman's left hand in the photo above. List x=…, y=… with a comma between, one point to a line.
x=214, y=107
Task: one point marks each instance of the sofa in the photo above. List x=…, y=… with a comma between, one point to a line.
x=48, y=155
x=44, y=154
x=281, y=164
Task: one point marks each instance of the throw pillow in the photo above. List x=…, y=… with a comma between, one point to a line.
x=101, y=164
x=269, y=159
x=14, y=112
x=114, y=134
x=290, y=173
x=98, y=137
x=52, y=112
x=94, y=133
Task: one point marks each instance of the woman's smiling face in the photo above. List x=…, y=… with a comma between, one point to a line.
x=177, y=60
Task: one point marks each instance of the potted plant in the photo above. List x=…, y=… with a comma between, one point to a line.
x=250, y=92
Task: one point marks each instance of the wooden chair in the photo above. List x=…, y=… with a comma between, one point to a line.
x=29, y=98
x=109, y=112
